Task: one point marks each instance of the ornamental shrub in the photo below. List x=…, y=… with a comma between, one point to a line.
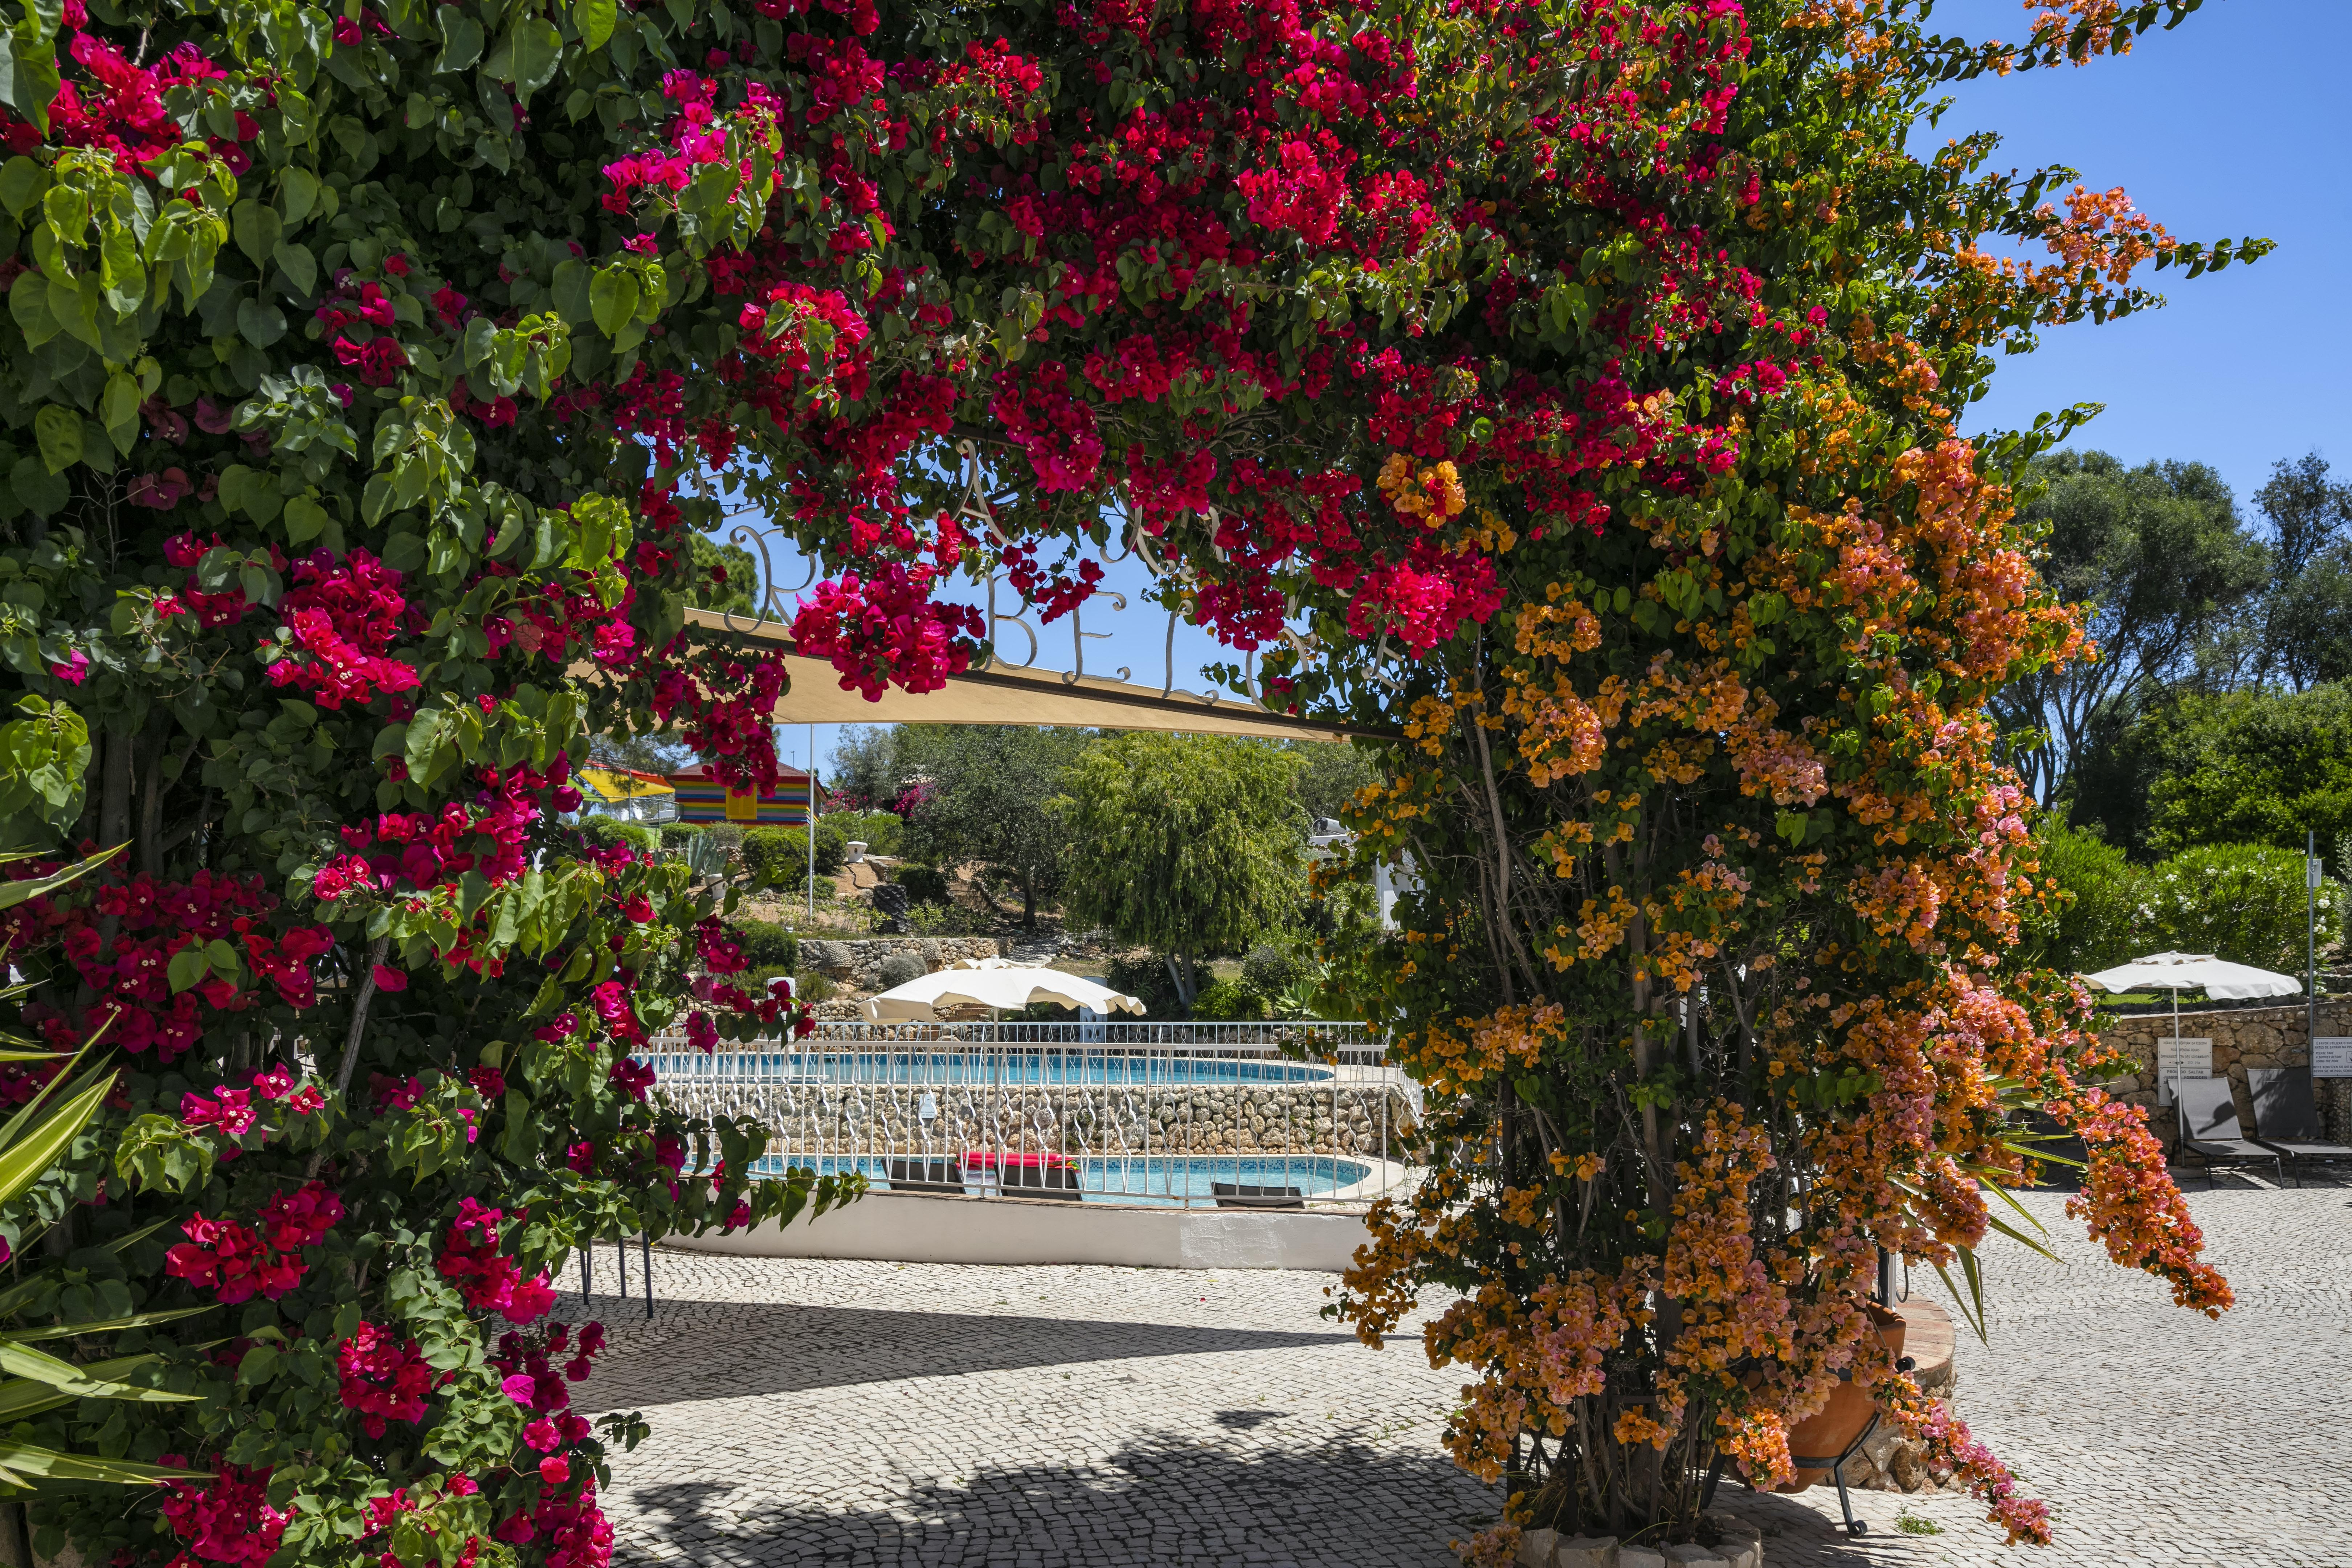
x=767, y=945
x=924, y=884
x=778, y=858
x=1271, y=969
x=1565, y=388
x=2244, y=902
x=899, y=968
x=2090, y=917
x=1229, y=999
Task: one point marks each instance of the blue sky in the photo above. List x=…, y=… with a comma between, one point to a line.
x=2237, y=122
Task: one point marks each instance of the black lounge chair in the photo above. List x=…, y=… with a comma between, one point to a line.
x=2209, y=1128
x=1039, y=1182
x=927, y=1176
x=2286, y=1120
x=1244, y=1195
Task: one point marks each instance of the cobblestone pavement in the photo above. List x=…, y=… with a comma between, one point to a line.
x=856, y=1413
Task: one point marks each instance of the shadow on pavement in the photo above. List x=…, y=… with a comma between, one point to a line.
x=745, y=1348
x=1337, y=1505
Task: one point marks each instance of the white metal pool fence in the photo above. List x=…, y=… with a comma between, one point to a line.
x=1193, y=1114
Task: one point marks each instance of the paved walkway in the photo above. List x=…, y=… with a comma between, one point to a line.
x=858, y=1414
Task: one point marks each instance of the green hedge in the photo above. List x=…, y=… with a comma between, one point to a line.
x=778, y=856
x=924, y=884
x=2244, y=902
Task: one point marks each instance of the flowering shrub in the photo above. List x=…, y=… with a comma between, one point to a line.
x=1570, y=385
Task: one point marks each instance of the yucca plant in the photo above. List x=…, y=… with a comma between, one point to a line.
x=31, y=1141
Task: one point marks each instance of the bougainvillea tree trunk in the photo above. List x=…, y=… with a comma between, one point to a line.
x=1568, y=385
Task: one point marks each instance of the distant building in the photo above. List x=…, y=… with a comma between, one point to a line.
x=701, y=798
x=626, y=794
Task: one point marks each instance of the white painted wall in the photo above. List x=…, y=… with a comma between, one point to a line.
x=923, y=1227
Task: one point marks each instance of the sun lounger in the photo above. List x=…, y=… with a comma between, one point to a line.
x=1015, y=1180
x=2209, y=1128
x=927, y=1176
x=1246, y=1195
x=2286, y=1120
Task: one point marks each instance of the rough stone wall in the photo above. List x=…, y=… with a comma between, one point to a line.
x=859, y=965
x=2243, y=1037
x=1078, y=1119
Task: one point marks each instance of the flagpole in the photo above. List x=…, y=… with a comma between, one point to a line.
x=808, y=823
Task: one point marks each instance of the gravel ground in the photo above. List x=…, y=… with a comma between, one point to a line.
x=856, y=1413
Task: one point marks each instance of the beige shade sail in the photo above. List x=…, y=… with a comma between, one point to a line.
x=996, y=983
x=1004, y=695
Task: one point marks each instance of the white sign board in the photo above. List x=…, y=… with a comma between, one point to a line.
x=2331, y=1057
x=2190, y=1056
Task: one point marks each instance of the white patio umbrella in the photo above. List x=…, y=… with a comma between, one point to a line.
x=2178, y=971
x=992, y=983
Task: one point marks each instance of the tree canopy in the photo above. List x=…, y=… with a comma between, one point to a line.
x=988, y=796
x=1190, y=844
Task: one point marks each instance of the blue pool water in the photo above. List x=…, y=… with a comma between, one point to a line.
x=927, y=1068
x=1134, y=1179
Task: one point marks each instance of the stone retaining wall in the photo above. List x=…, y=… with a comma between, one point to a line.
x=1079, y=1120
x=859, y=965
x=2243, y=1037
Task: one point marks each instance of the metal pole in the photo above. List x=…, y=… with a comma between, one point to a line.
x=621, y=1252
x=808, y=823
x=647, y=1239
x=2311, y=958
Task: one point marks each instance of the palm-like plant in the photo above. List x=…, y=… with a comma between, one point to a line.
x=35, y=1381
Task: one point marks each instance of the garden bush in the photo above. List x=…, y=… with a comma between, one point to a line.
x=1144, y=976
x=899, y=968
x=1229, y=999
x=606, y=831
x=767, y=945
x=882, y=831
x=1271, y=969
x=676, y=835
x=924, y=884
x=777, y=858
x=2244, y=902
x=2092, y=917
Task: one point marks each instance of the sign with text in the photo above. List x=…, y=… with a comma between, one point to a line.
x=2190, y=1056
x=2331, y=1055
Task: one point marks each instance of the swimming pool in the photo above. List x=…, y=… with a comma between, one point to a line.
x=1129, y=1179
x=1008, y=1069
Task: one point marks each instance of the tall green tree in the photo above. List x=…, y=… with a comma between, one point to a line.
x=988, y=796
x=2237, y=767
x=2307, y=614
x=1191, y=845
x=1330, y=775
x=2163, y=564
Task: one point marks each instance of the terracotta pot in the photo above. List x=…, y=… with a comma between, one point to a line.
x=1823, y=1436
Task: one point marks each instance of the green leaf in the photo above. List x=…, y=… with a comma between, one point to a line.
x=21, y=183
x=305, y=520
x=595, y=20
x=120, y=411
x=29, y=74
x=59, y=432
x=259, y=323
x=257, y=229
x=14, y=893
x=538, y=46
x=461, y=39
x=297, y=193
x=301, y=268
x=49, y=1465
x=613, y=300
x=28, y=305
x=187, y=968
x=41, y=490
x=27, y=1157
